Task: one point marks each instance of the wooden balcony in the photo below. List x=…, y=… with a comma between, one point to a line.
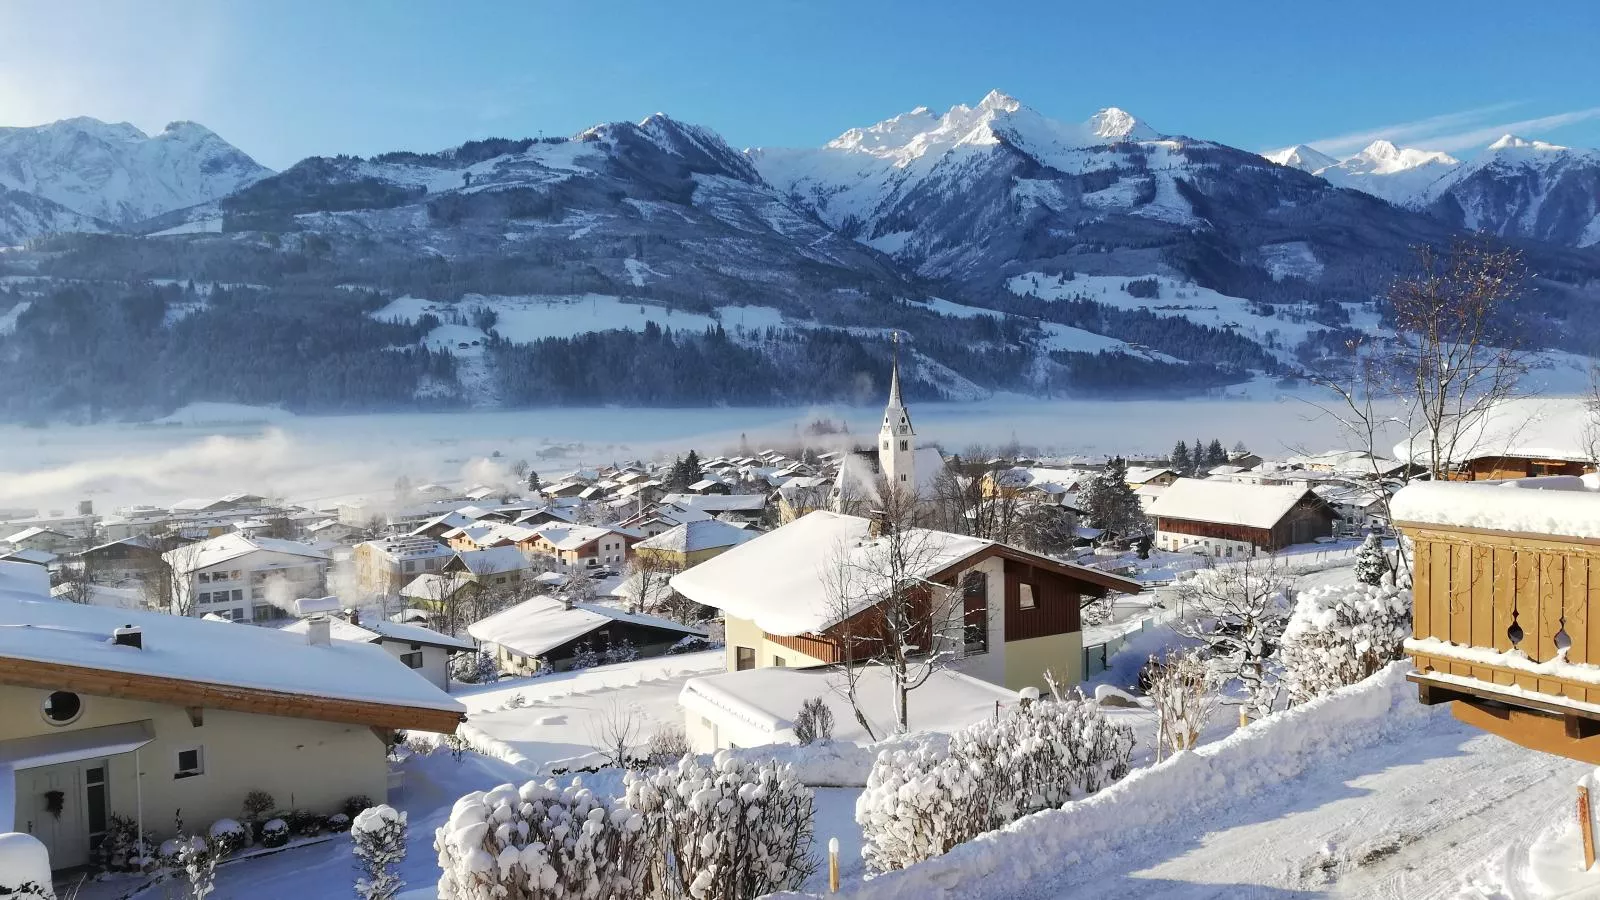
x=1501, y=627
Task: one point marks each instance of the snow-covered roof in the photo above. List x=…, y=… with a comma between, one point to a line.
x=369, y=632
x=564, y=536
x=692, y=536
x=1556, y=505
x=1142, y=474
x=492, y=560
x=32, y=532
x=786, y=580
x=537, y=626
x=488, y=534
x=433, y=587
x=220, y=549
x=180, y=647
x=1555, y=428
x=408, y=547
x=1227, y=502
x=767, y=700
x=715, y=503
x=36, y=557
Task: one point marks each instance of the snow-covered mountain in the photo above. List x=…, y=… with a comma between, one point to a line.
x=24, y=216
x=1302, y=157
x=117, y=173
x=1397, y=174
x=1523, y=188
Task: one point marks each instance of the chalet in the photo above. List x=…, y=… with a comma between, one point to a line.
x=442, y=524
x=244, y=578
x=38, y=538
x=661, y=518
x=1505, y=579
x=383, y=566
x=493, y=567
x=1019, y=610
x=432, y=590
x=122, y=560
x=745, y=507
x=483, y=535
x=423, y=650
x=709, y=486
x=1520, y=438
x=1139, y=476
x=533, y=518
x=802, y=494
x=579, y=547
x=549, y=634
x=692, y=543
x=1226, y=518
x=331, y=533
x=107, y=712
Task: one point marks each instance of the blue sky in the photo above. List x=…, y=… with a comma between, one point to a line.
x=293, y=78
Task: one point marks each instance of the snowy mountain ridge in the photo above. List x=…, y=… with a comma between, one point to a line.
x=118, y=174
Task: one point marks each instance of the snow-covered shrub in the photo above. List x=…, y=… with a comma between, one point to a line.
x=355, y=804
x=666, y=746
x=1340, y=634
x=257, y=804
x=228, y=835
x=814, y=722
x=516, y=701
x=1186, y=690
x=541, y=842
x=474, y=668
x=378, y=839
x=691, y=644
x=121, y=848
x=620, y=652
x=919, y=802
x=196, y=858
x=734, y=830
x=584, y=657
x=338, y=822
x=274, y=833
x=1372, y=563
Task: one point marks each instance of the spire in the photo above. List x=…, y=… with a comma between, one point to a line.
x=894, y=374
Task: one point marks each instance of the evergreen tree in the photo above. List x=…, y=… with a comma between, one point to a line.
x=691, y=469
x=1215, y=455
x=1371, y=562
x=1110, y=503
x=1180, y=459
x=533, y=482
x=1199, y=458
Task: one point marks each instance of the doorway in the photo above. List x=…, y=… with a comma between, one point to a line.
x=65, y=807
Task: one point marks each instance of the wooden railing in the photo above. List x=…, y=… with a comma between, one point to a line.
x=1501, y=591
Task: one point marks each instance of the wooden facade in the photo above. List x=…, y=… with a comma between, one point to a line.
x=1057, y=603
x=1492, y=468
x=1503, y=591
x=1306, y=521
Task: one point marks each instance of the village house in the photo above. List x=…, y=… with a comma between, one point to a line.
x=122, y=560
x=39, y=558
x=743, y=507
x=37, y=538
x=492, y=567
x=577, y=548
x=1139, y=476
x=423, y=650
x=385, y=565
x=483, y=535
x=1518, y=438
x=1019, y=611
x=692, y=543
x=552, y=634
x=331, y=533
x=1228, y=519
x=107, y=712
x=803, y=494
x=1505, y=578
x=245, y=579
x=662, y=517
x=432, y=591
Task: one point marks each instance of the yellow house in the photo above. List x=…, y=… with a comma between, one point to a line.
x=692, y=543
x=109, y=712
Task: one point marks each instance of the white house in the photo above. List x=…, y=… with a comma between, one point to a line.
x=116, y=712
x=245, y=578
x=758, y=707
x=423, y=650
x=555, y=630
x=37, y=538
x=383, y=566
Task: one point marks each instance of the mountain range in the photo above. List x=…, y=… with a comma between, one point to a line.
x=653, y=263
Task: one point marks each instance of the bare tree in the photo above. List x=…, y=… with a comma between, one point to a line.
x=1238, y=611
x=615, y=731
x=166, y=582
x=1186, y=693
x=887, y=612
x=648, y=584
x=979, y=499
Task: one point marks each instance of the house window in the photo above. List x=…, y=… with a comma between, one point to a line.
x=94, y=784
x=412, y=659
x=409, y=565
x=904, y=446
x=778, y=661
x=62, y=708
x=1025, y=596
x=975, y=612
x=263, y=613
x=191, y=762
x=743, y=658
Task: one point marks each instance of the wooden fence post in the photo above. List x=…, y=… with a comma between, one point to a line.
x=833, y=865
x=1586, y=826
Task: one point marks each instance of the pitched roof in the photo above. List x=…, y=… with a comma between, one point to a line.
x=188, y=661
x=564, y=536
x=491, y=560
x=1141, y=474
x=715, y=503
x=783, y=580
x=1526, y=427
x=1227, y=502
x=369, y=632
x=34, y=531
x=689, y=537
x=537, y=626
x=408, y=547
x=220, y=549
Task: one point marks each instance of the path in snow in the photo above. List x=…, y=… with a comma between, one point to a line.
x=1408, y=818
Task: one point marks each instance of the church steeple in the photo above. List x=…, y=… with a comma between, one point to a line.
x=897, y=449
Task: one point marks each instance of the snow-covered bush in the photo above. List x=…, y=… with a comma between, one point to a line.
x=666, y=746
x=620, y=652
x=584, y=657
x=274, y=833
x=338, y=822
x=378, y=839
x=474, y=668
x=1186, y=690
x=228, y=835
x=355, y=804
x=814, y=722
x=1340, y=634
x=734, y=830
x=541, y=842
x=196, y=858
x=1372, y=563
x=919, y=802
x=121, y=848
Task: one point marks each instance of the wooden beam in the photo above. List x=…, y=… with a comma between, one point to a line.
x=1578, y=727
x=197, y=715
x=1536, y=731
x=182, y=692
x=1430, y=694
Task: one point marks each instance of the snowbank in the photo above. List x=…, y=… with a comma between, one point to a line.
x=1559, y=505
x=23, y=860
x=1130, y=812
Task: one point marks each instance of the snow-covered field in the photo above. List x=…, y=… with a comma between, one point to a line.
x=316, y=458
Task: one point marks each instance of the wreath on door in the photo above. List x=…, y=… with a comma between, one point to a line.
x=55, y=802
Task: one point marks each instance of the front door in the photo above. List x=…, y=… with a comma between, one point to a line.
x=52, y=806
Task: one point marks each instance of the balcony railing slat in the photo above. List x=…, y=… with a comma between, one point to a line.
x=1483, y=617
x=1576, y=608
x=1551, y=594
x=1439, y=591
x=1421, y=578
x=1504, y=571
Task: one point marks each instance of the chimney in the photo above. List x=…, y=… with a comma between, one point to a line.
x=319, y=631
x=128, y=636
x=354, y=615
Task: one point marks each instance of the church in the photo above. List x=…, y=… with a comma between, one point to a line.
x=895, y=458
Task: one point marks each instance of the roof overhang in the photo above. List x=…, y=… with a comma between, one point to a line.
x=205, y=695
x=58, y=747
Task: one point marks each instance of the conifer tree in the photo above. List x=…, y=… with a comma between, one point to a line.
x=1180, y=459
x=1371, y=562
